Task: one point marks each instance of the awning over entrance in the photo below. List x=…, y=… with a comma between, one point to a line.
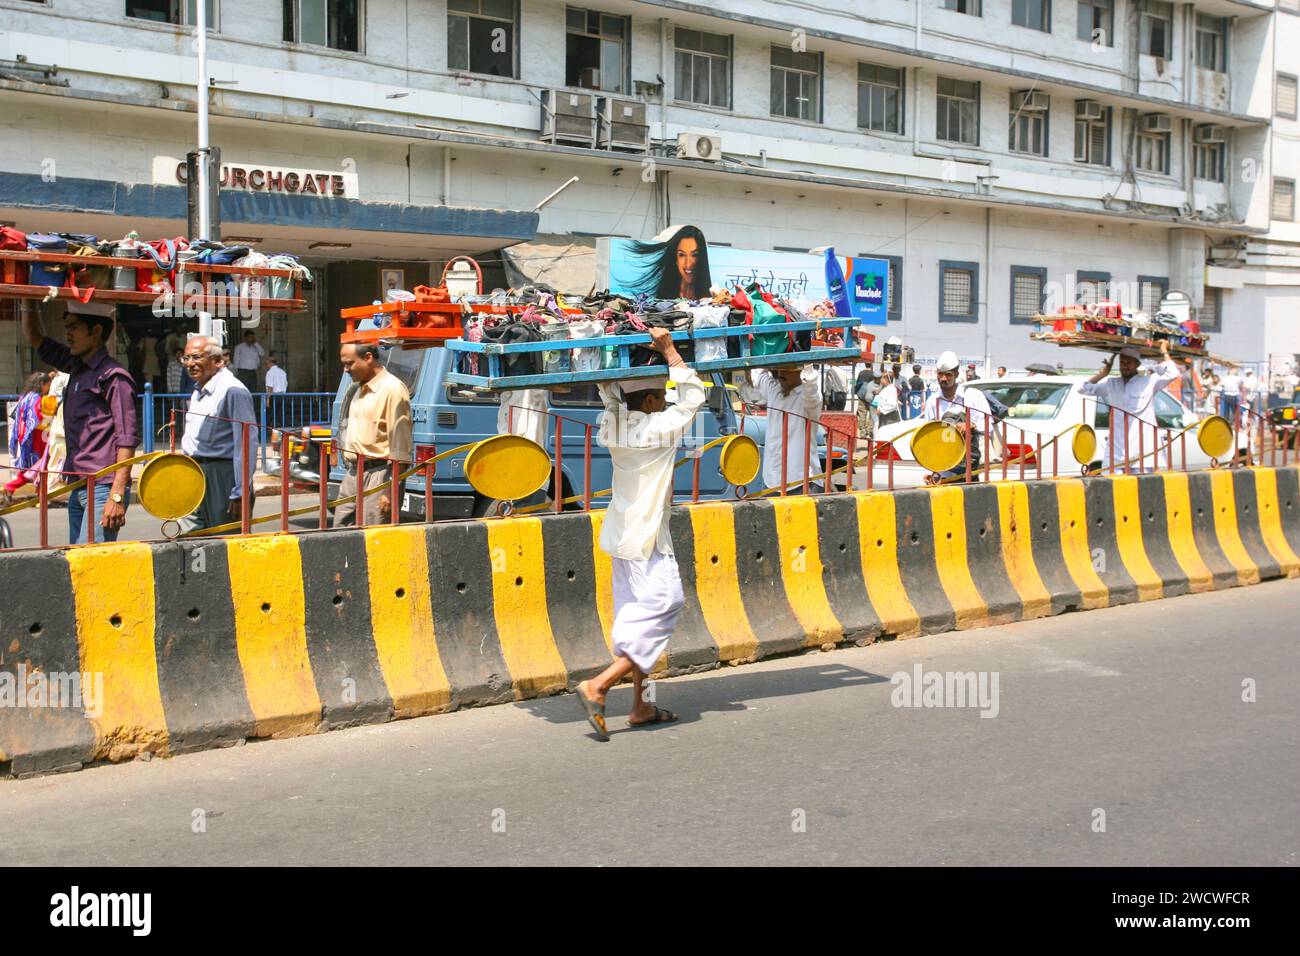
x=283, y=223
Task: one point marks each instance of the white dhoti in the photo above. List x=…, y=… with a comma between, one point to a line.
x=647, y=599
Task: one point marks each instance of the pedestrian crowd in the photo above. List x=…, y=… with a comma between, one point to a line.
x=81, y=419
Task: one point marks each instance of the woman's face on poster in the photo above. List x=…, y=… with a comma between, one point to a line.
x=688, y=251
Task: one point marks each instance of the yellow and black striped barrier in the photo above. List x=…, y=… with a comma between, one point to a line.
x=201, y=643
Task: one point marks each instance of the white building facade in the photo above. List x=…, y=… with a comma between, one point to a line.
x=1005, y=155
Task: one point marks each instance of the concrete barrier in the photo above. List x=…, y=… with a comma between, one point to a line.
x=204, y=644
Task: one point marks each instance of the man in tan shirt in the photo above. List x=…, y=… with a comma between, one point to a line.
x=376, y=423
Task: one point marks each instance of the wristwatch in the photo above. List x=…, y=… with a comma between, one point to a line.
x=116, y=498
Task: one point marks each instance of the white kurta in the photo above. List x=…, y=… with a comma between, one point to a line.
x=646, y=583
x=523, y=412
x=804, y=403
x=936, y=406
x=643, y=449
x=1135, y=397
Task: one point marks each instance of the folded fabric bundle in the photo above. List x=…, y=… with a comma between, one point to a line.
x=710, y=317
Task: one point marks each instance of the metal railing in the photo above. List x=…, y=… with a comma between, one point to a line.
x=1148, y=446
x=282, y=411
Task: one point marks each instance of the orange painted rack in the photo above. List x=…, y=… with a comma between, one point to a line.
x=411, y=324
x=210, y=299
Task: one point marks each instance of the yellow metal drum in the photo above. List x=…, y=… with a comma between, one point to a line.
x=1084, y=444
x=171, y=486
x=507, y=467
x=938, y=446
x=1214, y=434
x=740, y=460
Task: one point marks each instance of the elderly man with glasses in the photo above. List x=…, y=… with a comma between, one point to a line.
x=214, y=433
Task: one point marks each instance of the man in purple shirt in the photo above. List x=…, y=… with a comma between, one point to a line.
x=98, y=414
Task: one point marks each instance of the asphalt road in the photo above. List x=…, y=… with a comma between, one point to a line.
x=1135, y=711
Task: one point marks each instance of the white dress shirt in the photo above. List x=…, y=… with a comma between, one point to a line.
x=248, y=358
x=210, y=429
x=643, y=449
x=802, y=404
x=1135, y=397
x=276, y=380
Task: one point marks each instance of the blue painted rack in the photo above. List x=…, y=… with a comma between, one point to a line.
x=493, y=352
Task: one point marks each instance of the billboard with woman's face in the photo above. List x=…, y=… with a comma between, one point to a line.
x=684, y=266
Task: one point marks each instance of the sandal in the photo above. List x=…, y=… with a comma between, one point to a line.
x=595, y=714
x=661, y=716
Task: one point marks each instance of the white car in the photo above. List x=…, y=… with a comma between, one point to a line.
x=1046, y=406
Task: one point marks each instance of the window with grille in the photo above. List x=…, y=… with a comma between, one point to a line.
x=880, y=98
x=1027, y=132
x=957, y=111
x=1096, y=21
x=970, y=7
x=1286, y=96
x=1283, y=208
x=1153, y=152
x=1092, y=140
x=1151, y=289
x=703, y=68
x=894, y=294
x=1207, y=161
x=958, y=285
x=1211, y=43
x=1035, y=14
x=796, y=84
x=481, y=36
x=1210, y=315
x=1090, y=287
x=332, y=23
x=1028, y=287
x=595, y=50
x=171, y=11
x=1157, y=30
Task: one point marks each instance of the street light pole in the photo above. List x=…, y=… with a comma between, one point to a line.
x=205, y=209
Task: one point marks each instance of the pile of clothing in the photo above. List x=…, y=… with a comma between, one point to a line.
x=1111, y=318
x=539, y=313
x=160, y=258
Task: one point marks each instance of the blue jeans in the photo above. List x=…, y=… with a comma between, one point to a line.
x=77, y=512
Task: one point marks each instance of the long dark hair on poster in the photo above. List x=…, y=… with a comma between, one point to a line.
x=677, y=268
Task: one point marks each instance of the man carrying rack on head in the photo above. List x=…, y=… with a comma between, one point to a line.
x=1133, y=393
x=642, y=432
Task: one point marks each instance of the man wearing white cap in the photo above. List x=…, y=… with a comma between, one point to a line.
x=98, y=415
x=959, y=403
x=1133, y=393
x=642, y=432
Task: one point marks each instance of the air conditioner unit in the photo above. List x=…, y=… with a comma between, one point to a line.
x=1087, y=109
x=1210, y=134
x=623, y=124
x=1158, y=123
x=699, y=146
x=1032, y=102
x=569, y=117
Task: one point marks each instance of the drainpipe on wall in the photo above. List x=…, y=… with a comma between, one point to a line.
x=984, y=293
x=445, y=198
